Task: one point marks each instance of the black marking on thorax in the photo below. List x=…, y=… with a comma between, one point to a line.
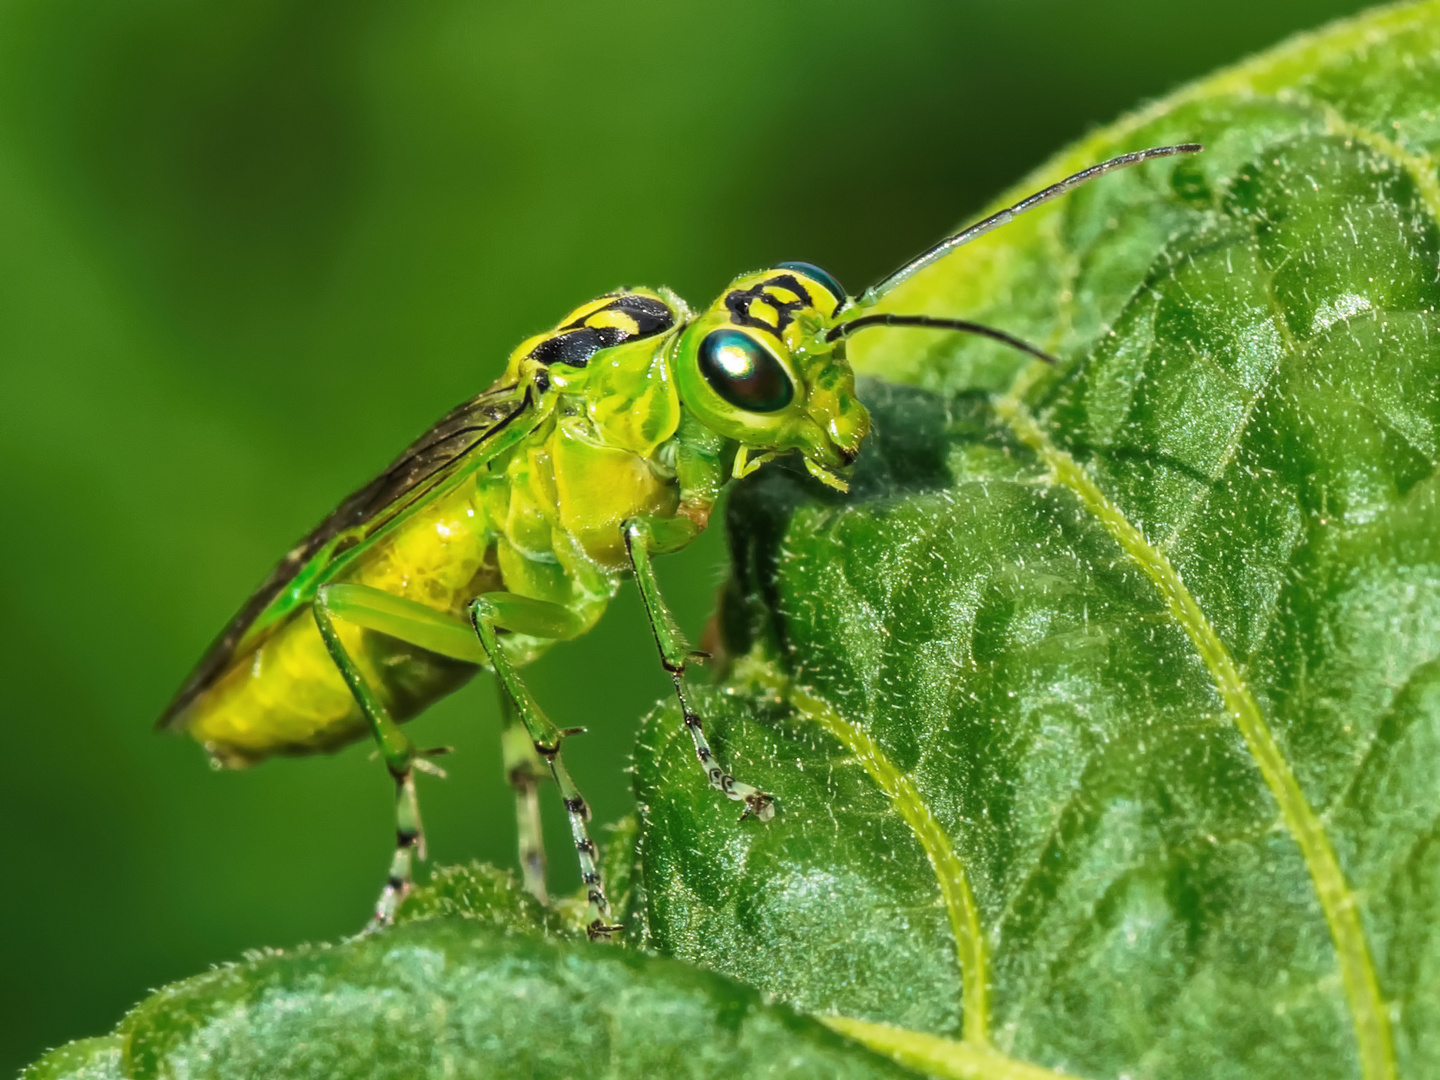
x=576, y=342
x=739, y=302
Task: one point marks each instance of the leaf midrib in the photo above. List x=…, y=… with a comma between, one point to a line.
x=1369, y=1014
x=1357, y=969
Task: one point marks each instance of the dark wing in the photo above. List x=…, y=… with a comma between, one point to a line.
x=424, y=466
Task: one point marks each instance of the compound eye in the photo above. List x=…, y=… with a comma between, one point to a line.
x=744, y=372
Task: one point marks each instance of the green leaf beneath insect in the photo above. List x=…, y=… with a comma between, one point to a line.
x=461, y=997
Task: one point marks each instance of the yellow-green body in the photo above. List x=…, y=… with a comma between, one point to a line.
x=539, y=518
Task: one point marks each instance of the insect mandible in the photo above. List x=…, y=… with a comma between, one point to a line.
x=510, y=524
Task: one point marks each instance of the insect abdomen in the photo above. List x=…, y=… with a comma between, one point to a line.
x=287, y=697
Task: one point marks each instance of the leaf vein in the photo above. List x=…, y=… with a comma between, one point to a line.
x=960, y=904
x=1337, y=901
x=1420, y=167
x=939, y=1056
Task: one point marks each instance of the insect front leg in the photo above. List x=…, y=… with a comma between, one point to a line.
x=496, y=611
x=675, y=654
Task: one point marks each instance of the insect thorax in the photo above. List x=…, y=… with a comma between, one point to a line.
x=599, y=456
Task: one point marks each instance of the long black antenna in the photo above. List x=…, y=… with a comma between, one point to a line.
x=933, y=322
x=994, y=221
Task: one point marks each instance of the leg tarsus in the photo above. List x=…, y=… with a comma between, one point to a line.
x=760, y=804
x=531, y=842
x=409, y=842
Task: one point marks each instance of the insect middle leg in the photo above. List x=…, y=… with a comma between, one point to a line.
x=675, y=654
x=496, y=611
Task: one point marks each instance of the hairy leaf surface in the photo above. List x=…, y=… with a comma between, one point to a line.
x=471, y=986
x=1104, y=713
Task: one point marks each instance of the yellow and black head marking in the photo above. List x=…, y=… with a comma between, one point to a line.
x=757, y=368
x=772, y=300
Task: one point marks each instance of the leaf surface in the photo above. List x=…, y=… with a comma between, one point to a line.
x=472, y=985
x=1104, y=713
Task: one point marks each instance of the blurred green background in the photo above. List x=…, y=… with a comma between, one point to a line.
x=247, y=251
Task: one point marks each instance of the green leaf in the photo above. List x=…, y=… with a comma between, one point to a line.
x=487, y=895
x=83, y=1059
x=459, y=997
x=1104, y=713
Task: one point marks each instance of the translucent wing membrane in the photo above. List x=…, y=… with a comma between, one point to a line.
x=424, y=466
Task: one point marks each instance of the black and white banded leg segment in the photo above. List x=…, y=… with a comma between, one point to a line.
x=401, y=759
x=488, y=614
x=524, y=769
x=674, y=655
x=474, y=640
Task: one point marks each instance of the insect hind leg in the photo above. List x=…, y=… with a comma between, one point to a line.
x=489, y=614
x=524, y=768
x=400, y=758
